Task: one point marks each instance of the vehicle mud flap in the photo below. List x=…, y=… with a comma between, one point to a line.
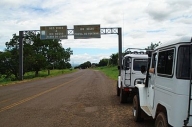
x=136, y=109
x=118, y=90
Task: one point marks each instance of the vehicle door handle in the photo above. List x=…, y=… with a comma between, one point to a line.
x=132, y=73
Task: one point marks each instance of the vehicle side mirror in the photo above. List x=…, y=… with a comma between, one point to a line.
x=118, y=67
x=143, y=69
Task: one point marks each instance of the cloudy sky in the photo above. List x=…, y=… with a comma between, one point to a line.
x=142, y=22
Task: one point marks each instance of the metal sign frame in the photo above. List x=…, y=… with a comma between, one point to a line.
x=103, y=31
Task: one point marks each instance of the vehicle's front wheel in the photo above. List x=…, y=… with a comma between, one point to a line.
x=118, y=90
x=123, y=96
x=136, y=109
x=161, y=120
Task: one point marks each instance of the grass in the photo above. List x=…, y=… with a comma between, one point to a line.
x=111, y=71
x=31, y=76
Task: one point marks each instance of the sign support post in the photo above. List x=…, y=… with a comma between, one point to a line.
x=20, y=55
x=120, y=49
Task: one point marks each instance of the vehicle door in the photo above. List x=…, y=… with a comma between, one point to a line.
x=151, y=83
x=136, y=69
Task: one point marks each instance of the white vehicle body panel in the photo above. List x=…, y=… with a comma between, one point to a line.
x=142, y=94
x=167, y=91
x=119, y=81
x=176, y=104
x=131, y=73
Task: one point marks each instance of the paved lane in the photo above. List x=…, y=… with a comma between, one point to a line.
x=84, y=98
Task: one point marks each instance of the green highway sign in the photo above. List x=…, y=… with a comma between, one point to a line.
x=53, y=32
x=86, y=31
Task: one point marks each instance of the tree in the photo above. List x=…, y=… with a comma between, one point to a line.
x=114, y=59
x=153, y=45
x=5, y=64
x=103, y=62
x=68, y=65
x=66, y=54
x=85, y=65
x=37, y=54
x=49, y=54
x=11, y=57
x=34, y=52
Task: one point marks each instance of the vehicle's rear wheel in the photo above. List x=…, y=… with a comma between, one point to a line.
x=136, y=109
x=123, y=96
x=118, y=90
x=161, y=120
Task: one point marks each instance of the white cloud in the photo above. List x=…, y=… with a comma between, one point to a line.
x=142, y=21
x=79, y=59
x=159, y=11
x=169, y=9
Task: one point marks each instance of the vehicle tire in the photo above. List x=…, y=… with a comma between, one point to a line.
x=118, y=90
x=161, y=120
x=123, y=96
x=136, y=109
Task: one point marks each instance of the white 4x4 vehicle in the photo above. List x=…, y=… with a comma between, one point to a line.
x=131, y=64
x=166, y=94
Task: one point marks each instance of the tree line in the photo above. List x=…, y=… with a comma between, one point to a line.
x=41, y=55
x=113, y=59
x=37, y=55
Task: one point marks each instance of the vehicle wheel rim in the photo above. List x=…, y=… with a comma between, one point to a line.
x=134, y=112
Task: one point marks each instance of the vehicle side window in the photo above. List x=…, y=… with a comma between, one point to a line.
x=183, y=61
x=137, y=63
x=165, y=63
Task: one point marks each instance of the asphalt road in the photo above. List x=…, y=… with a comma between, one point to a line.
x=86, y=98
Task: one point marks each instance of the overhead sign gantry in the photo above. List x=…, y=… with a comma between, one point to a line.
x=61, y=32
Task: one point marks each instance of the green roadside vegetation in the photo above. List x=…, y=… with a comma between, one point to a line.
x=31, y=76
x=111, y=71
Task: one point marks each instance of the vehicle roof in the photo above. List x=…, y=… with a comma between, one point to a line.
x=137, y=55
x=185, y=39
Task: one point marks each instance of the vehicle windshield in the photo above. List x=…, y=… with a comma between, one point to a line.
x=138, y=63
x=183, y=61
